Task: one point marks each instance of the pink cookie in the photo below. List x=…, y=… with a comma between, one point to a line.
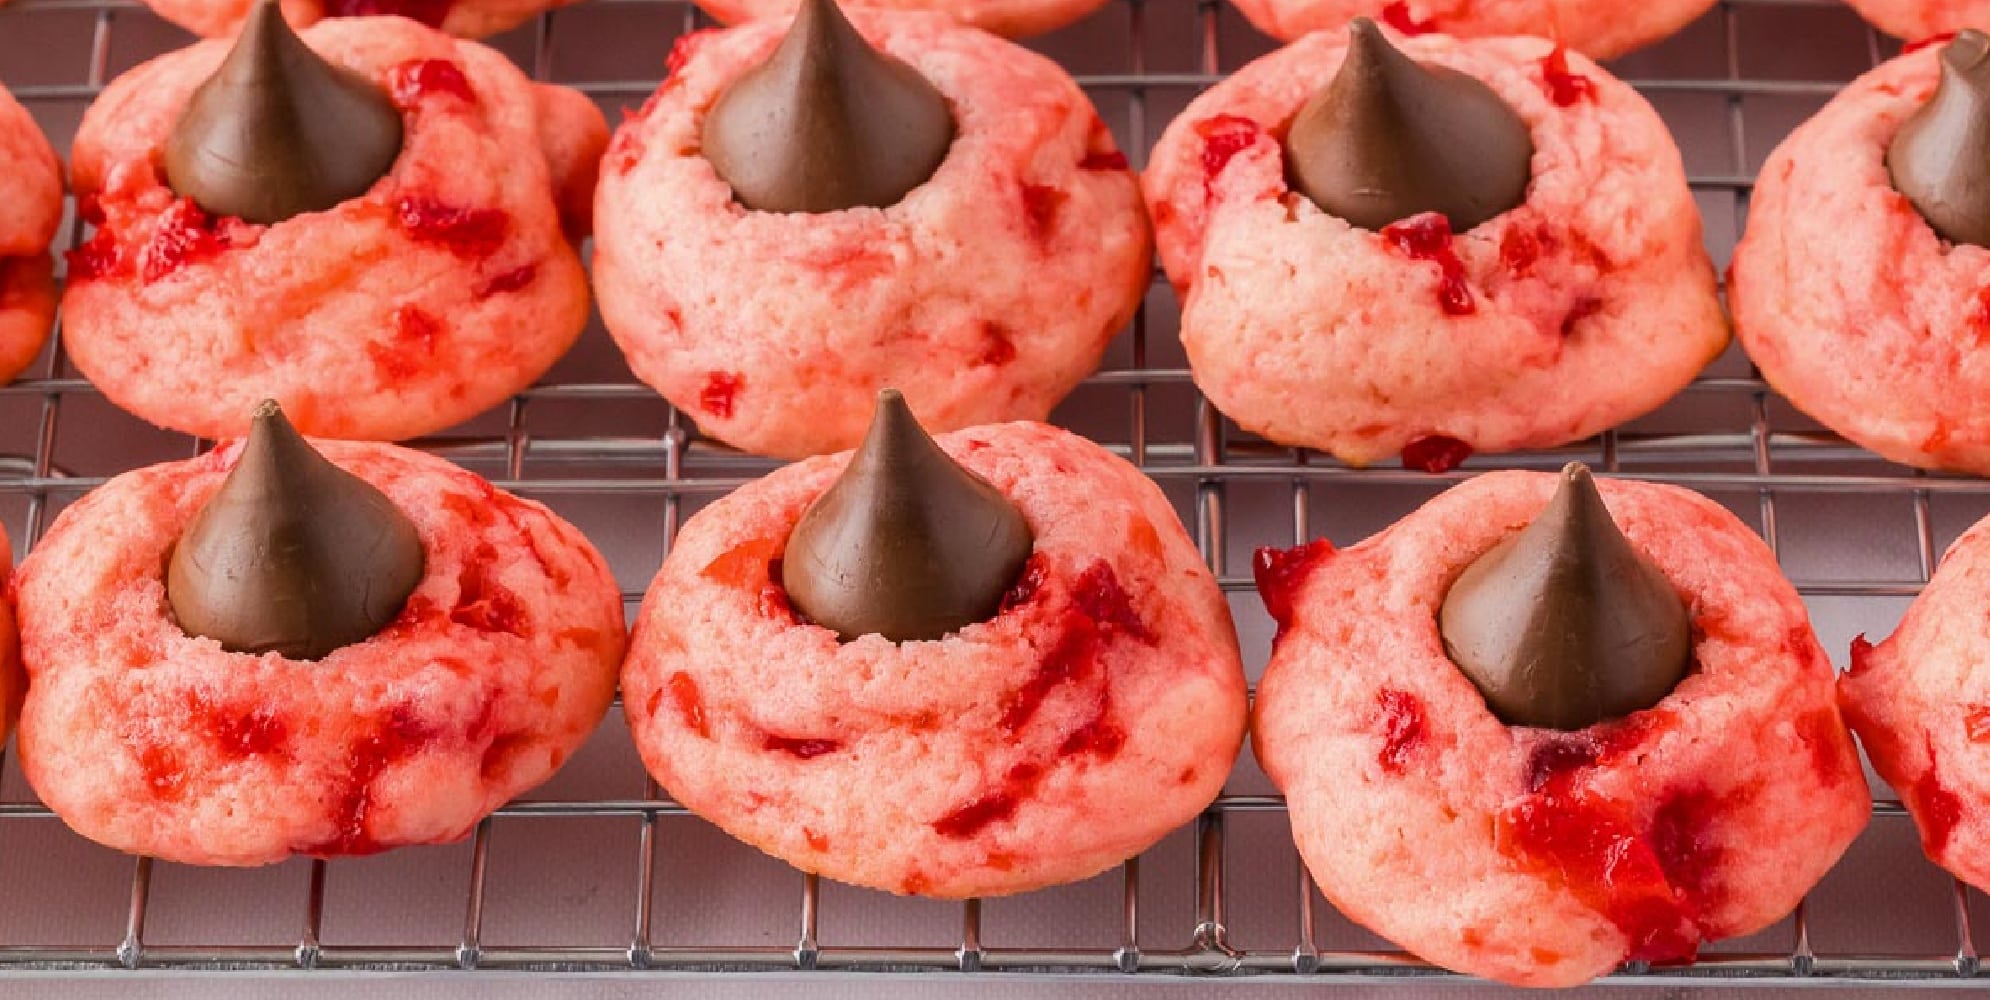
x=30, y=209
x=155, y=742
x=986, y=294
x=1600, y=28
x=1098, y=711
x=1918, y=19
x=442, y=291
x=1920, y=702
x=1537, y=857
x=1014, y=18
x=1520, y=333
x=12, y=683
x=464, y=18
x=1850, y=304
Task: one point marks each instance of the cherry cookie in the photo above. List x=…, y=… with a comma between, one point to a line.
x=463, y=18
x=1455, y=246
x=1013, y=18
x=30, y=210
x=365, y=224
x=1546, y=725
x=1920, y=702
x=964, y=668
x=279, y=649
x=12, y=683
x=803, y=214
x=1862, y=286
x=1919, y=19
x=1600, y=29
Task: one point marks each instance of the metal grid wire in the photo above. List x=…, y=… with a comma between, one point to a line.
x=1727, y=435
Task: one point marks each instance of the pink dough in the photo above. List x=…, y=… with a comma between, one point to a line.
x=1851, y=305
x=151, y=741
x=1014, y=18
x=444, y=290
x=986, y=294
x=1600, y=28
x=1918, y=19
x=12, y=683
x=1589, y=304
x=1920, y=702
x=1537, y=857
x=30, y=209
x=463, y=18
x=1101, y=709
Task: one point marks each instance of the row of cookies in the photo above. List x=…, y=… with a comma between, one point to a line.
x=797, y=217
x=905, y=667
x=1598, y=28
x=1859, y=286
x=1608, y=794
x=1385, y=246
x=1541, y=726
x=375, y=224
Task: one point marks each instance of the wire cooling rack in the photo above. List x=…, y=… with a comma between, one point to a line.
x=597, y=872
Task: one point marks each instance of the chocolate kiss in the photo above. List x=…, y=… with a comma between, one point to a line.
x=293, y=554
x=1390, y=138
x=905, y=543
x=1941, y=157
x=277, y=131
x=1564, y=624
x=827, y=122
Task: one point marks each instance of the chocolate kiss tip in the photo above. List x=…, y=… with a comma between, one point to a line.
x=1563, y=624
x=1940, y=158
x=1364, y=33
x=896, y=428
x=292, y=555
x=828, y=122
x=906, y=543
x=1389, y=138
x=278, y=131
x=264, y=15
x=1968, y=48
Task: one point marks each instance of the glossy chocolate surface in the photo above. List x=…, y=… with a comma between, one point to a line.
x=293, y=554
x=1390, y=138
x=906, y=543
x=1940, y=159
x=278, y=131
x=828, y=122
x=1564, y=624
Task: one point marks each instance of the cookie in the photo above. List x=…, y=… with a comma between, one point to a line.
x=1545, y=856
x=30, y=210
x=1410, y=338
x=1011, y=18
x=1600, y=29
x=1920, y=702
x=986, y=292
x=1098, y=706
x=1919, y=19
x=1852, y=305
x=151, y=739
x=12, y=683
x=463, y=18
x=403, y=306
